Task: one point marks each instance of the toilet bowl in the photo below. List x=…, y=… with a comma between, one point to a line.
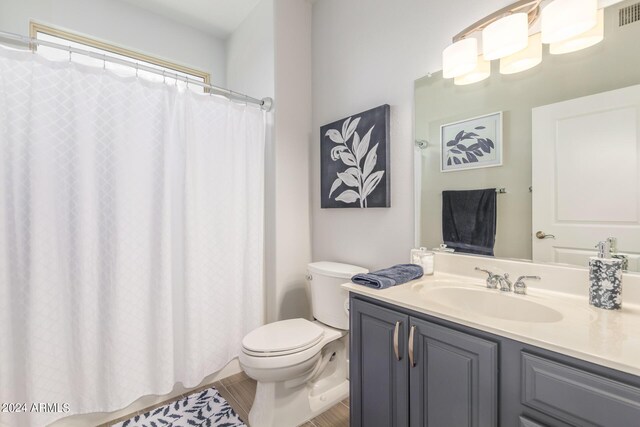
x=301, y=366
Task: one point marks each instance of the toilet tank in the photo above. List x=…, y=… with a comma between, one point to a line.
x=330, y=303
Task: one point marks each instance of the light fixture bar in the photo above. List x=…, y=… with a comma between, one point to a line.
x=531, y=7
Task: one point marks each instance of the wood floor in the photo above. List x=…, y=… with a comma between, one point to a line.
x=239, y=390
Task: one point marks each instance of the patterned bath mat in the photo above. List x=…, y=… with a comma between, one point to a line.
x=205, y=408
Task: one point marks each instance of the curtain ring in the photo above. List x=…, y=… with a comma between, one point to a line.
x=136, y=70
x=104, y=62
x=164, y=78
x=70, y=53
x=186, y=81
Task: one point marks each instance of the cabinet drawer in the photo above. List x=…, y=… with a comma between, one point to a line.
x=577, y=397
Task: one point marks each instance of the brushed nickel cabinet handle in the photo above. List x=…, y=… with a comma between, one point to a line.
x=396, y=333
x=411, y=333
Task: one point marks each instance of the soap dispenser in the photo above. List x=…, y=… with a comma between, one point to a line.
x=613, y=249
x=605, y=275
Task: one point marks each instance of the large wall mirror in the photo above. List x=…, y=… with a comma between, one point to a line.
x=559, y=144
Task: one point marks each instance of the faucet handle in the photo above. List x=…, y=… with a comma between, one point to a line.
x=492, y=279
x=484, y=271
x=520, y=287
x=505, y=283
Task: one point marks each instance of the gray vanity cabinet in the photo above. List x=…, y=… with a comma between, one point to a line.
x=446, y=377
x=378, y=370
x=453, y=378
x=408, y=369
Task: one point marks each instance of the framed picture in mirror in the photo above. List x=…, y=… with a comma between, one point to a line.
x=471, y=143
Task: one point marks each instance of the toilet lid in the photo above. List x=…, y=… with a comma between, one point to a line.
x=283, y=336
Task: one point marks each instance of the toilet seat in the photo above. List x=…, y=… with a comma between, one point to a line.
x=282, y=338
x=273, y=360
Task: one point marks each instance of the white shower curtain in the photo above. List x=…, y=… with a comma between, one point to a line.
x=131, y=236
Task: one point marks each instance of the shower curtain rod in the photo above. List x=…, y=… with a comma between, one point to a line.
x=264, y=103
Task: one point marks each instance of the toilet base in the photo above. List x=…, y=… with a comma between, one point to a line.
x=292, y=402
x=275, y=406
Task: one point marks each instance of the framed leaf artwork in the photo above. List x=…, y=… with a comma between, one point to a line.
x=354, y=161
x=472, y=143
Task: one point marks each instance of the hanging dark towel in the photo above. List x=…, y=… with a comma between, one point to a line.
x=469, y=220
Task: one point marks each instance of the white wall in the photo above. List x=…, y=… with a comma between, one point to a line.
x=251, y=70
x=251, y=54
x=367, y=53
x=270, y=55
x=291, y=159
x=124, y=25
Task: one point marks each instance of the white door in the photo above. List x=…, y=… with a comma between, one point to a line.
x=586, y=180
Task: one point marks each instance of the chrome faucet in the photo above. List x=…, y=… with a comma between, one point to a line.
x=492, y=279
x=505, y=283
x=520, y=287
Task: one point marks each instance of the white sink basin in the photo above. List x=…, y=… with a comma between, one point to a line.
x=492, y=303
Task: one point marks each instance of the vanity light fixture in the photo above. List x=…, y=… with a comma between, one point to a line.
x=481, y=72
x=505, y=36
x=567, y=25
x=564, y=19
x=582, y=41
x=460, y=58
x=525, y=59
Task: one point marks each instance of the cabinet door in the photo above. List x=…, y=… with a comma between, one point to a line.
x=378, y=376
x=453, y=379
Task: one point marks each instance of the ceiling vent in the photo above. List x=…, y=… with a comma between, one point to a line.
x=630, y=14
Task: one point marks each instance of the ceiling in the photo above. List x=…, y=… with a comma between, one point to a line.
x=219, y=17
x=216, y=17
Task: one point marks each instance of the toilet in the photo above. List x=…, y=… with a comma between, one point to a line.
x=301, y=366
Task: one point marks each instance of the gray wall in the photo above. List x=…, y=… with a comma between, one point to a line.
x=438, y=101
x=367, y=53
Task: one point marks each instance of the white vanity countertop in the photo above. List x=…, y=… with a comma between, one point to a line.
x=607, y=338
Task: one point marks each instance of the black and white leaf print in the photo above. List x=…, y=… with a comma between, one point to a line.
x=467, y=147
x=348, y=196
x=363, y=147
x=335, y=136
x=370, y=161
x=349, y=177
x=206, y=408
x=360, y=159
x=371, y=182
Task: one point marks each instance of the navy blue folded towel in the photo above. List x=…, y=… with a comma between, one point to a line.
x=396, y=275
